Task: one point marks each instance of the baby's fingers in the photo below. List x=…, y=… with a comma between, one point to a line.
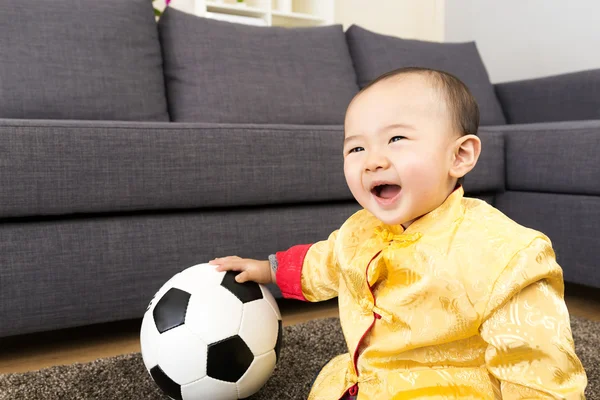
x=220, y=260
x=242, y=277
x=232, y=265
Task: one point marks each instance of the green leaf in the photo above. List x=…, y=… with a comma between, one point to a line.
x=157, y=13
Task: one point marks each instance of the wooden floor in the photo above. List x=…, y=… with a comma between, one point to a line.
x=36, y=351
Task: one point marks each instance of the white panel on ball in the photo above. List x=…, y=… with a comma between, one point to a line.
x=269, y=297
x=149, y=339
x=197, y=277
x=213, y=313
x=209, y=388
x=182, y=355
x=259, y=327
x=257, y=375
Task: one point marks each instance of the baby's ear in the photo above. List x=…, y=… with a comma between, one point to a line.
x=466, y=153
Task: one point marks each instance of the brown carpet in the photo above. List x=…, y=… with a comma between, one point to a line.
x=306, y=348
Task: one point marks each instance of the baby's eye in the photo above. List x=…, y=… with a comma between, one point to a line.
x=396, y=138
x=356, y=149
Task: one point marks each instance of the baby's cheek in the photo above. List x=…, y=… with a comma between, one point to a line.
x=353, y=180
x=350, y=175
x=415, y=168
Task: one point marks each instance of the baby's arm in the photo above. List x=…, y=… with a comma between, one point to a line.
x=303, y=272
x=530, y=345
x=309, y=272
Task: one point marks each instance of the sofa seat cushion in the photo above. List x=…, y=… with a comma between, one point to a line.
x=86, y=60
x=557, y=157
x=68, y=167
x=219, y=71
x=65, y=167
x=374, y=54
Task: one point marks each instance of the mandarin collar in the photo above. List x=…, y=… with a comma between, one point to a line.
x=439, y=219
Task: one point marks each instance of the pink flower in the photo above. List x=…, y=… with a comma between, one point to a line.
x=168, y=1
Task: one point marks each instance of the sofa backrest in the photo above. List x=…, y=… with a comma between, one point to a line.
x=107, y=60
x=374, y=54
x=218, y=71
x=78, y=59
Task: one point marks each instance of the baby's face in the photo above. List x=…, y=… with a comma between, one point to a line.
x=398, y=149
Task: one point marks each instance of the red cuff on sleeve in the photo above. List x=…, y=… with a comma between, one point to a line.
x=289, y=271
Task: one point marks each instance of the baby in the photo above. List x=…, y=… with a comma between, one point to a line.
x=440, y=296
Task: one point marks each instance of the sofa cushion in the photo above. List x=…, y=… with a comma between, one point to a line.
x=219, y=71
x=69, y=167
x=374, y=54
x=66, y=167
x=74, y=59
x=558, y=157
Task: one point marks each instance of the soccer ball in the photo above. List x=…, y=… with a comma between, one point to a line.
x=205, y=336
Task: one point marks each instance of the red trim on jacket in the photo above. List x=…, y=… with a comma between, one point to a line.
x=289, y=271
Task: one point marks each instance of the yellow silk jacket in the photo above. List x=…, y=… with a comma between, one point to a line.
x=463, y=304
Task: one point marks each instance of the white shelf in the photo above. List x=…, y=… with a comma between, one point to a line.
x=294, y=14
x=298, y=16
x=244, y=10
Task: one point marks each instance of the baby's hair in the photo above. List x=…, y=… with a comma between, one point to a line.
x=460, y=101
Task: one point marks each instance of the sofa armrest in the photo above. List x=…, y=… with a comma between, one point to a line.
x=559, y=157
x=567, y=97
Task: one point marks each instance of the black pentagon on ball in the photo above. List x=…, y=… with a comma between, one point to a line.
x=228, y=359
x=246, y=292
x=166, y=384
x=279, y=338
x=170, y=310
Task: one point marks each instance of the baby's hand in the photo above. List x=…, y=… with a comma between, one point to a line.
x=251, y=270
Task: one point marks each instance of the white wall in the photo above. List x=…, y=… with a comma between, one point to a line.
x=413, y=19
x=521, y=39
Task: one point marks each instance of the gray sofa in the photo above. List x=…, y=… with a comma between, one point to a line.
x=130, y=150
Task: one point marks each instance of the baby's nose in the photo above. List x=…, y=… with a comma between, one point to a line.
x=375, y=162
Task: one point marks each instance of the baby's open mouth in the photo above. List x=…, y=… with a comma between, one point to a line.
x=386, y=191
